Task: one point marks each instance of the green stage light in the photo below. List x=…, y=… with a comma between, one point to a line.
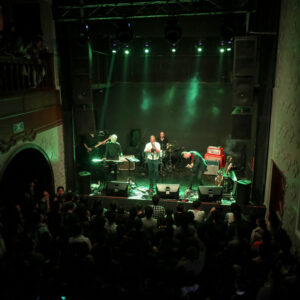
x=228, y=49
x=222, y=50
x=126, y=51
x=114, y=51
x=199, y=49
x=146, y=50
x=96, y=160
x=173, y=50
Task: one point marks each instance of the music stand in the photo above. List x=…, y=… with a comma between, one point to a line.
x=130, y=159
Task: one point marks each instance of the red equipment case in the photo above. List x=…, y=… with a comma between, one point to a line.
x=215, y=153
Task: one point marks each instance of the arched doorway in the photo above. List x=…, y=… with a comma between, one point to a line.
x=26, y=164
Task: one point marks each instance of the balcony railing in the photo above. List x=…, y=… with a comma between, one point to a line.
x=19, y=74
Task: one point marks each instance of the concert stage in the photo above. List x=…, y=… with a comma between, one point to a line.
x=138, y=193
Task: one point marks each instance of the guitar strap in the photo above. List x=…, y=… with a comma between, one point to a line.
x=192, y=158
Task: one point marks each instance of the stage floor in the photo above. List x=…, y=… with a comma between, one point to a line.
x=139, y=184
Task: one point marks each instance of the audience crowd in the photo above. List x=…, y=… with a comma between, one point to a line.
x=63, y=246
x=31, y=70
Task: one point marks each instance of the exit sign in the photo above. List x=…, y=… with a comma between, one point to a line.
x=18, y=127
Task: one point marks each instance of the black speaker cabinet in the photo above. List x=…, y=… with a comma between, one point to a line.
x=210, y=193
x=244, y=63
x=84, y=182
x=242, y=91
x=243, y=191
x=167, y=190
x=241, y=118
x=117, y=188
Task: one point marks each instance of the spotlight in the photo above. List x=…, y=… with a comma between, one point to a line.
x=173, y=50
x=229, y=48
x=114, y=47
x=222, y=47
x=83, y=32
x=146, y=48
x=173, y=31
x=126, y=50
x=199, y=49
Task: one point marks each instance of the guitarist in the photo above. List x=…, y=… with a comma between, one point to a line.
x=91, y=143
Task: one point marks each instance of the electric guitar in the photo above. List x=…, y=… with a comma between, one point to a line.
x=94, y=149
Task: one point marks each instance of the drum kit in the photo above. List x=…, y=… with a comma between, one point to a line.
x=169, y=157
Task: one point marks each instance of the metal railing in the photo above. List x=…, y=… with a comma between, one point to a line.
x=19, y=73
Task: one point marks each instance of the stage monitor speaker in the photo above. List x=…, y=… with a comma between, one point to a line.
x=244, y=63
x=84, y=182
x=243, y=191
x=117, y=188
x=167, y=190
x=241, y=123
x=242, y=91
x=210, y=193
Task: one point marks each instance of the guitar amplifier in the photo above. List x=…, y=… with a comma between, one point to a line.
x=215, y=150
x=212, y=167
x=215, y=153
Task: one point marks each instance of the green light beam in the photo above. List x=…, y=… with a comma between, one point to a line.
x=105, y=102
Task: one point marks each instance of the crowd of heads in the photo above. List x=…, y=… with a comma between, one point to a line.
x=13, y=44
x=63, y=244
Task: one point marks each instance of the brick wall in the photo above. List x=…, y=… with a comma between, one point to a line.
x=284, y=146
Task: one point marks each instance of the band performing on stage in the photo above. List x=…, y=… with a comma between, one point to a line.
x=159, y=160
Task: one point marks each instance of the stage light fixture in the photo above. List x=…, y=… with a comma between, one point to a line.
x=173, y=31
x=126, y=50
x=199, y=47
x=229, y=45
x=146, y=48
x=124, y=32
x=114, y=47
x=173, y=50
x=222, y=47
x=83, y=32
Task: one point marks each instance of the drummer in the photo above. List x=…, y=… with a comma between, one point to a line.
x=163, y=140
x=165, y=148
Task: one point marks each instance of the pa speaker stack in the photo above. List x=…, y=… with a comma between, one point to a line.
x=244, y=71
x=84, y=182
x=243, y=191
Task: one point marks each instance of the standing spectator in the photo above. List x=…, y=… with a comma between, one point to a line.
x=158, y=210
x=179, y=215
x=44, y=203
x=78, y=237
x=198, y=213
x=149, y=222
x=60, y=191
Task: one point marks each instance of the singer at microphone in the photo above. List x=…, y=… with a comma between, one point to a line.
x=152, y=151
